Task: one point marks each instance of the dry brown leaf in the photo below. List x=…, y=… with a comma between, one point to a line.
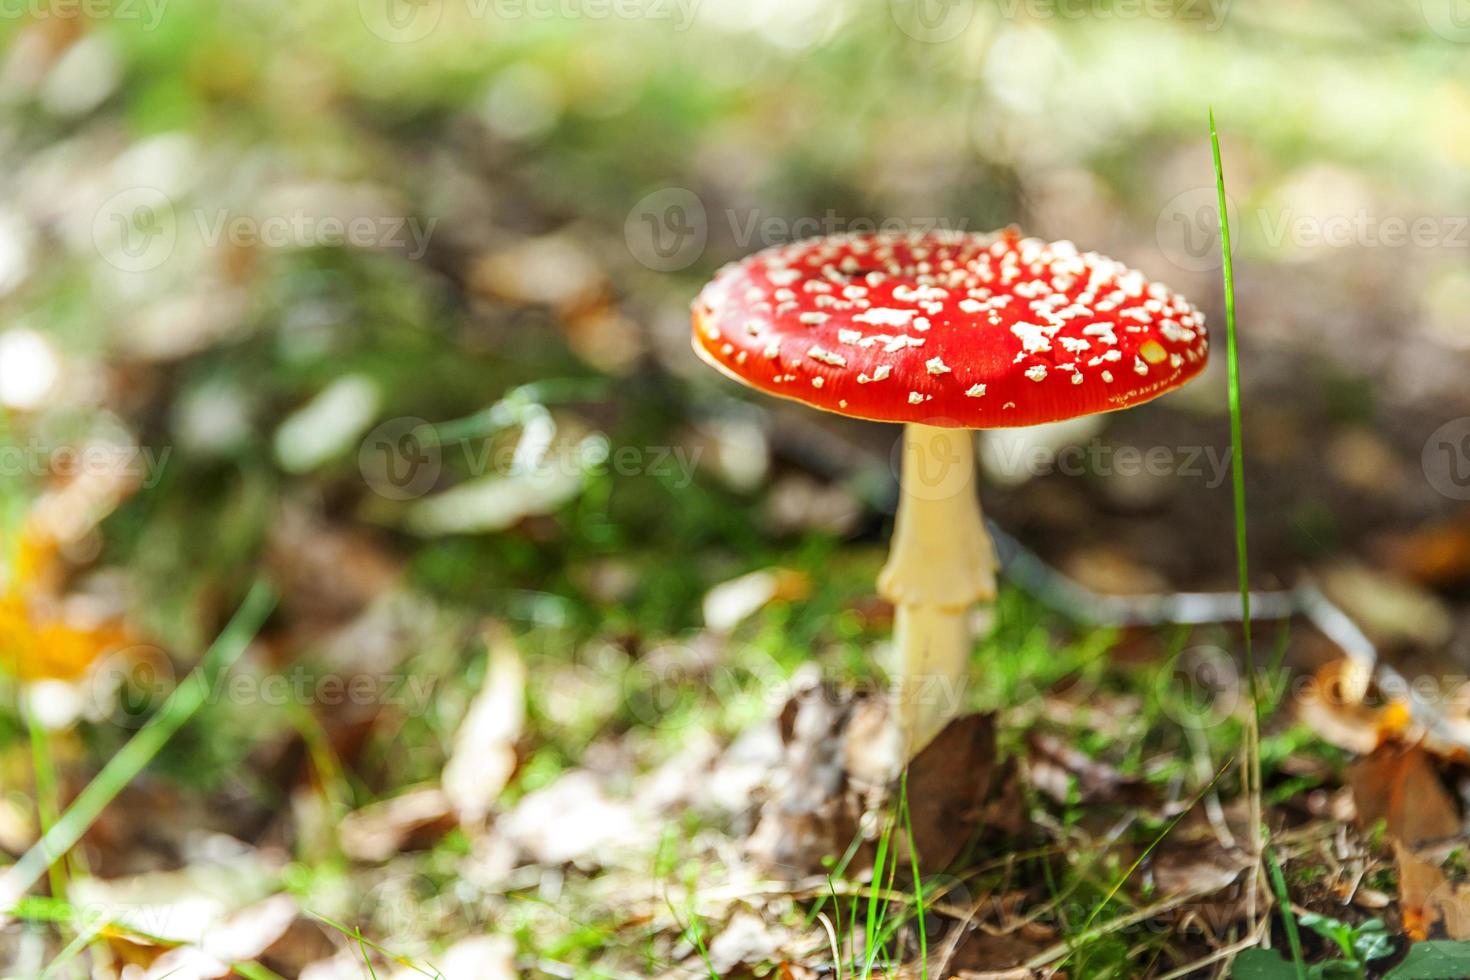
x=475, y=958
x=76, y=504
x=1389, y=608
x=606, y=338
x=18, y=829
x=1427, y=898
x=1112, y=570
x=412, y=821
x=1055, y=768
x=326, y=571
x=1202, y=855
x=795, y=971
x=840, y=760
x=1418, y=880
x=1399, y=785
x=809, y=813
x=797, y=503
x=1337, y=711
x=573, y=819
x=484, y=754
x=1437, y=554
x=982, y=954
x=555, y=270
x=347, y=964
x=242, y=937
x=747, y=939
x=729, y=603
x=1204, y=867
x=1364, y=897
x=947, y=785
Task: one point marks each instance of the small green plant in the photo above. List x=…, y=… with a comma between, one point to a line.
x=1358, y=944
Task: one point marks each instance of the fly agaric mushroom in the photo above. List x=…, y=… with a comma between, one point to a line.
x=944, y=332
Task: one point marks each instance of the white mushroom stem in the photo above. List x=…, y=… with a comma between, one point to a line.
x=940, y=564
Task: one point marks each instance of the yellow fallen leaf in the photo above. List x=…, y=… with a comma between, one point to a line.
x=34, y=648
x=37, y=640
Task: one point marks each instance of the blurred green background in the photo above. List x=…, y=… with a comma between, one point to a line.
x=388, y=302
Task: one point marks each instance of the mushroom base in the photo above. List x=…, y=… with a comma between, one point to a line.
x=933, y=647
x=940, y=564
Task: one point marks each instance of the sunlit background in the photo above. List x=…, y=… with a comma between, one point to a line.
x=387, y=302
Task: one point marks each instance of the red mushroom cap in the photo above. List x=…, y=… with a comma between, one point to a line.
x=948, y=328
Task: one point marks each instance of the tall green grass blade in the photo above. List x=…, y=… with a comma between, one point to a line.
x=1086, y=933
x=908, y=829
x=1237, y=449
x=85, y=934
x=135, y=756
x=1232, y=360
x=838, y=870
x=695, y=935
x=1288, y=918
x=254, y=971
x=365, y=944
x=877, y=911
x=1253, y=786
x=48, y=794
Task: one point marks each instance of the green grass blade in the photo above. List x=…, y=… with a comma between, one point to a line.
x=1086, y=934
x=876, y=913
x=1288, y=918
x=1237, y=465
x=134, y=757
x=254, y=971
x=694, y=934
x=73, y=948
x=838, y=870
x=48, y=794
x=1237, y=453
x=908, y=829
x=365, y=944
